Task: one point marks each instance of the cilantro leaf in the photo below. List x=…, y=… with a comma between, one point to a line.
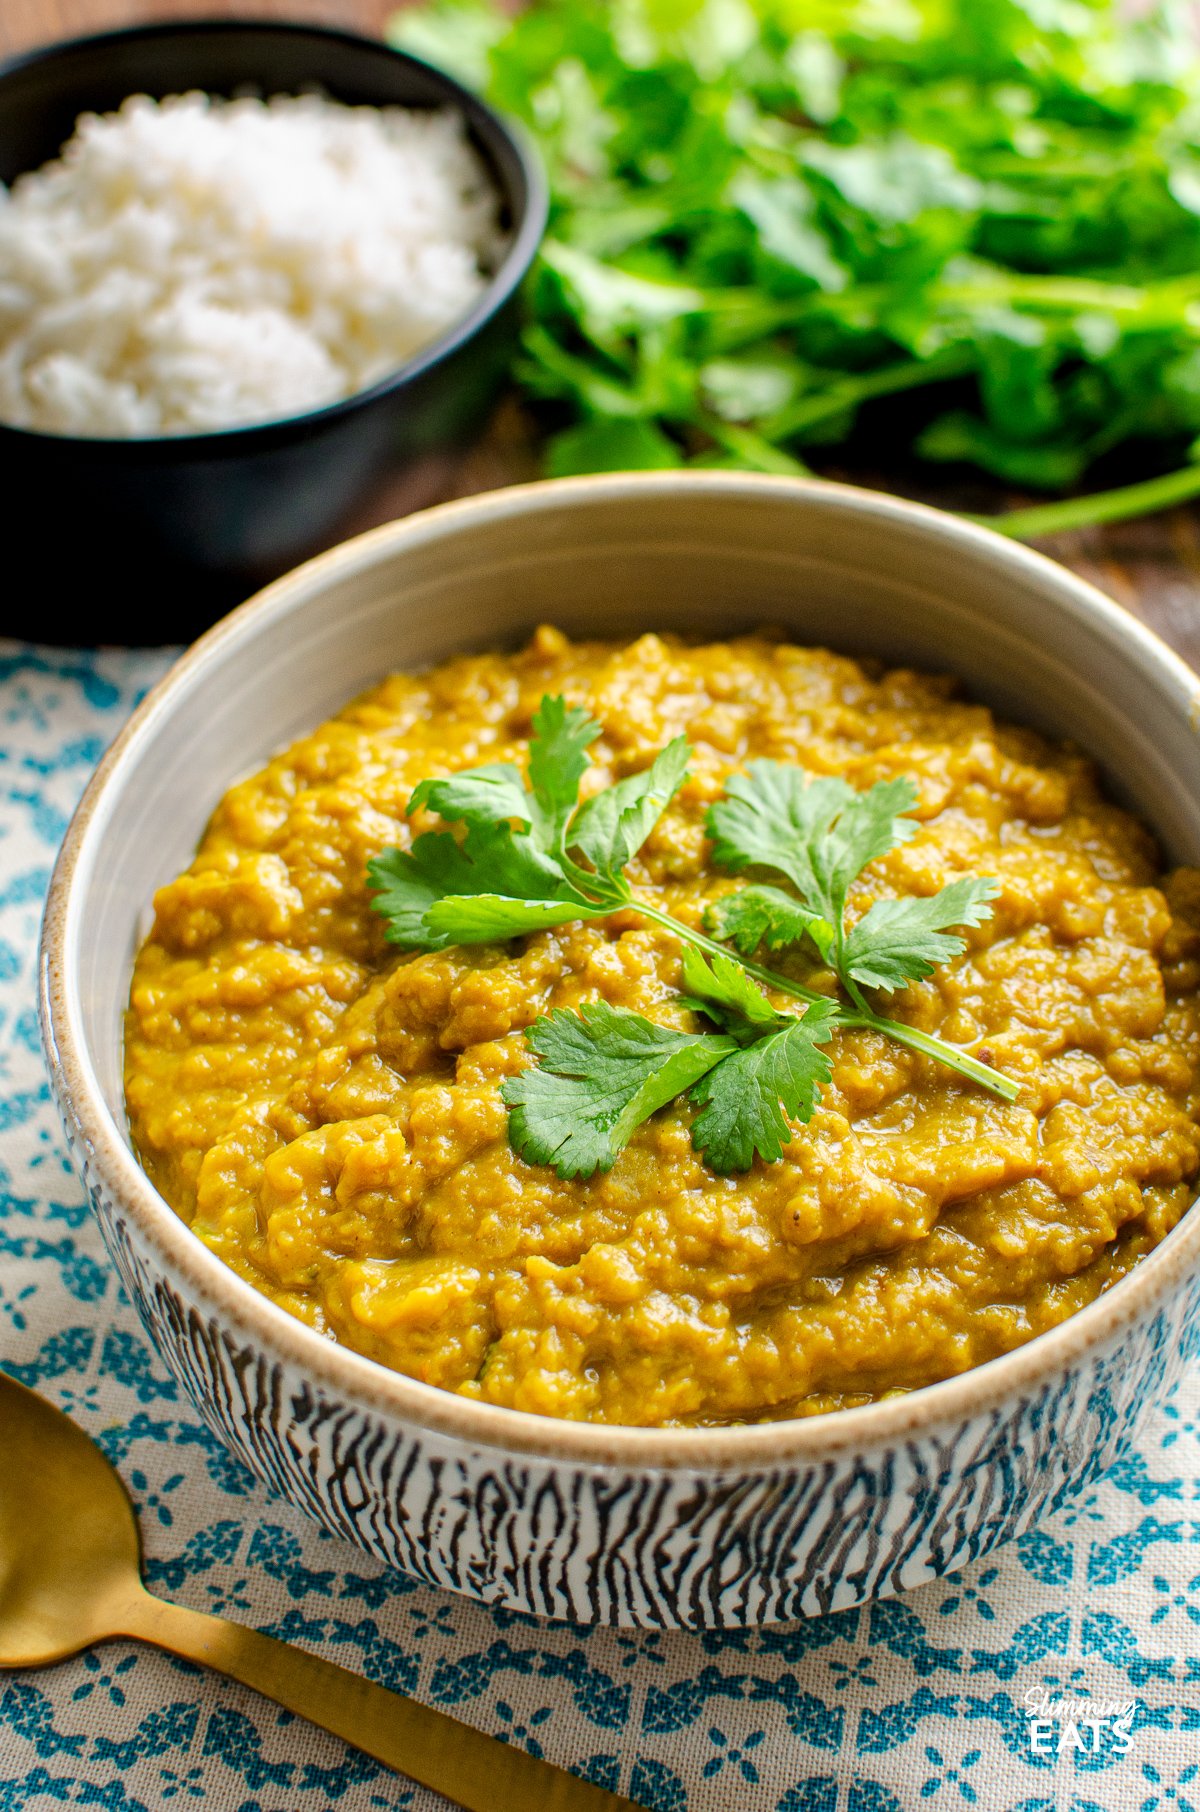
x=746, y=1101
x=820, y=833
x=899, y=941
x=766, y=915
x=456, y=35
x=611, y=301
x=1005, y=193
x=610, y=443
x=612, y=827
x=772, y=816
x=722, y=989
x=601, y=1072
x=496, y=793
x=431, y=895
x=492, y=918
x=869, y=826
x=562, y=735
x=511, y=873
x=493, y=794
x=407, y=882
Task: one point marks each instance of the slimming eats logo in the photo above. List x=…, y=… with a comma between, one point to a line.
x=1079, y=1726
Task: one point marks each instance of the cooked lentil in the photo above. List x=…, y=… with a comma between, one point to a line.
x=325, y=1113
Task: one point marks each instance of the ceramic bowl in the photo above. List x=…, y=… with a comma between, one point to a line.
x=684, y=1527
x=192, y=523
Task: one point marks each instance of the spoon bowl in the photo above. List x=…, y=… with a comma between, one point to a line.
x=69, y=1545
x=70, y=1576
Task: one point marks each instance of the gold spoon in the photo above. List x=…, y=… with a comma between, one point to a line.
x=70, y=1576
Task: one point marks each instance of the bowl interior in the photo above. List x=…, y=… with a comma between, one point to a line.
x=616, y=557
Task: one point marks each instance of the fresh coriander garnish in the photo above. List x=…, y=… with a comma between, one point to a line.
x=533, y=856
x=602, y=1071
x=821, y=834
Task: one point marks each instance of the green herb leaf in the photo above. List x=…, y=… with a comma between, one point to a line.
x=489, y=795
x=406, y=883
x=456, y=35
x=431, y=895
x=868, y=826
x=509, y=875
x=496, y=793
x=601, y=1072
x=562, y=735
x=899, y=941
x=608, y=445
x=820, y=833
x=611, y=300
x=722, y=989
x=747, y=1100
x=493, y=918
x=784, y=212
x=611, y=828
x=771, y=816
x=1003, y=193
x=766, y=915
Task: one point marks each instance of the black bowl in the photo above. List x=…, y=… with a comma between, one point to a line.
x=148, y=539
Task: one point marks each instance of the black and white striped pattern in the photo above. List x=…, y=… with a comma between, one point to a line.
x=655, y=1548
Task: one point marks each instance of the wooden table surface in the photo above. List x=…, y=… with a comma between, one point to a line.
x=1152, y=567
x=24, y=23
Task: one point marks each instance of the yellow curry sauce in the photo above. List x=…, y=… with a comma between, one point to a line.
x=325, y=1112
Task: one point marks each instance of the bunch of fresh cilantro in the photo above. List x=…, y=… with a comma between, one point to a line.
x=532, y=857
x=767, y=214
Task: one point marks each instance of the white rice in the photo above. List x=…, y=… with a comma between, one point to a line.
x=195, y=264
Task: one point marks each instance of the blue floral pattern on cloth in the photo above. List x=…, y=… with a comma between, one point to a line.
x=930, y=1699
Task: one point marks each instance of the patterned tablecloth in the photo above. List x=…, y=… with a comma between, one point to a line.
x=943, y=1698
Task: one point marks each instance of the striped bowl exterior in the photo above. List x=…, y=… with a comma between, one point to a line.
x=650, y=1548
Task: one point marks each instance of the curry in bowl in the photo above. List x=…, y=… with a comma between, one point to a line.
x=845, y=1166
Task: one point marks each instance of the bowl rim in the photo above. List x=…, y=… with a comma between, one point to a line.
x=236, y=1305
x=522, y=249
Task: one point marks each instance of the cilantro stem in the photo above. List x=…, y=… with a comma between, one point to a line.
x=767, y=977
x=754, y=450
x=848, y=390
x=1162, y=301
x=953, y=1056
x=1102, y=506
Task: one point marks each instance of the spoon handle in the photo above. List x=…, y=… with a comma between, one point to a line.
x=475, y=1771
